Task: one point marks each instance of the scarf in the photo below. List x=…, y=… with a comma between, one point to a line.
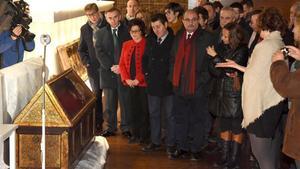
x=258, y=93
x=185, y=64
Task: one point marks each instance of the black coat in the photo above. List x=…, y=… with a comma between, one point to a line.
x=203, y=40
x=156, y=65
x=105, y=54
x=86, y=47
x=224, y=99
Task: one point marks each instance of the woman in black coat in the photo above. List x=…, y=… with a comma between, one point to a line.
x=225, y=98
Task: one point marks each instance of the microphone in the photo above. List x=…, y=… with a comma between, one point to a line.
x=45, y=39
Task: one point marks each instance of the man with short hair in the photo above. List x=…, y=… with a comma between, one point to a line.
x=190, y=78
x=213, y=17
x=174, y=12
x=87, y=54
x=109, y=40
x=255, y=36
x=203, y=18
x=132, y=7
x=159, y=88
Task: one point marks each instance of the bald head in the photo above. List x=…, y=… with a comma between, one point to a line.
x=227, y=15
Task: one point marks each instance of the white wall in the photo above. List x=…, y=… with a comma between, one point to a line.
x=62, y=21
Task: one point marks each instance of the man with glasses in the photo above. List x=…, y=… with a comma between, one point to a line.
x=88, y=55
x=109, y=40
x=190, y=78
x=174, y=12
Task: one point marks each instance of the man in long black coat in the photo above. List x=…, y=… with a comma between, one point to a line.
x=87, y=54
x=108, y=49
x=190, y=79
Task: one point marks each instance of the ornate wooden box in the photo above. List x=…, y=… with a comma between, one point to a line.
x=70, y=124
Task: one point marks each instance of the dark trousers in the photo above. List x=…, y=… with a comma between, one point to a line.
x=112, y=95
x=297, y=164
x=139, y=113
x=266, y=150
x=94, y=79
x=157, y=106
x=125, y=107
x=190, y=117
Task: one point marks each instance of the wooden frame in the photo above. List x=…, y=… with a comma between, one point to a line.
x=69, y=58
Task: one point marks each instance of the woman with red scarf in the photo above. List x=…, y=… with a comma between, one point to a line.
x=132, y=76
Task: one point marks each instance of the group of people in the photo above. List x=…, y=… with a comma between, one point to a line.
x=174, y=74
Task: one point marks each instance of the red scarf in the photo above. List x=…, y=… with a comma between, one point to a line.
x=185, y=63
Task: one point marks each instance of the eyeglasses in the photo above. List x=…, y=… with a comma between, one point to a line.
x=190, y=20
x=134, y=31
x=91, y=14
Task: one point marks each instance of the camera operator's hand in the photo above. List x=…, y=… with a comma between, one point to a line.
x=294, y=52
x=16, y=32
x=277, y=56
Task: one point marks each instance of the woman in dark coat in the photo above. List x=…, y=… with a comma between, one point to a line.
x=225, y=99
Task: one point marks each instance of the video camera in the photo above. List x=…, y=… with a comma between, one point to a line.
x=13, y=14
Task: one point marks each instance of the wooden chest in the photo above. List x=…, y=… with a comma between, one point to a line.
x=70, y=124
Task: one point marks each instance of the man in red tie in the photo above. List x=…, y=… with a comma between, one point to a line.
x=190, y=78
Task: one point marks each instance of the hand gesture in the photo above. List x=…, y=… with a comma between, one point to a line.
x=211, y=51
x=228, y=63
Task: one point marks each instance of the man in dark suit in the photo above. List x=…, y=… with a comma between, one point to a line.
x=190, y=79
x=159, y=87
x=108, y=46
x=87, y=54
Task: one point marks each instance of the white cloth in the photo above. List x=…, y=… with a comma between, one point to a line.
x=258, y=93
x=95, y=157
x=19, y=83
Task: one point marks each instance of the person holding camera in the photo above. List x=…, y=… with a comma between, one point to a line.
x=287, y=84
x=13, y=45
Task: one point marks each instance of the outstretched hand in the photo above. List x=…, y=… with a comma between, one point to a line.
x=228, y=63
x=231, y=64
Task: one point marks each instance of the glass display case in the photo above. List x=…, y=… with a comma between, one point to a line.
x=70, y=123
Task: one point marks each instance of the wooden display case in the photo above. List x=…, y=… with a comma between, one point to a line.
x=70, y=124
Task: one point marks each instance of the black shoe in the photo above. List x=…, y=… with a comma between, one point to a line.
x=107, y=133
x=151, y=147
x=126, y=134
x=133, y=140
x=196, y=156
x=179, y=154
x=171, y=150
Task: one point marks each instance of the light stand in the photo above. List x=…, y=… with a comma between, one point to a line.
x=45, y=40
